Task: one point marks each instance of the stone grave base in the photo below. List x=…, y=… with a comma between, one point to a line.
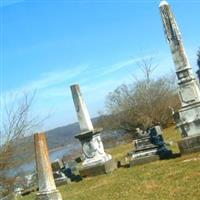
x=103, y=168
x=123, y=163
x=189, y=144
x=165, y=154
x=54, y=195
x=62, y=181
x=144, y=159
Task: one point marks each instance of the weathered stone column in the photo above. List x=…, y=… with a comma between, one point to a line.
x=92, y=146
x=46, y=184
x=81, y=109
x=188, y=117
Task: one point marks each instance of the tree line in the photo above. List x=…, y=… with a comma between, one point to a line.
x=144, y=102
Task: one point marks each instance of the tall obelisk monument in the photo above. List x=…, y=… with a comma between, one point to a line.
x=188, y=120
x=96, y=160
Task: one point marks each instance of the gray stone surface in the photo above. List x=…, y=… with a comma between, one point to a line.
x=60, y=178
x=99, y=169
x=143, y=160
x=188, y=118
x=123, y=163
x=62, y=181
x=46, y=183
x=151, y=144
x=81, y=109
x=92, y=146
x=189, y=144
x=57, y=165
x=53, y=195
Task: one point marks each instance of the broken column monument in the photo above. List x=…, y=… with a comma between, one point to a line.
x=149, y=146
x=188, y=118
x=46, y=184
x=96, y=160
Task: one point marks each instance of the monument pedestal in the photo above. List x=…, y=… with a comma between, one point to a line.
x=188, y=120
x=189, y=144
x=92, y=146
x=62, y=181
x=96, y=160
x=52, y=195
x=143, y=160
x=98, y=169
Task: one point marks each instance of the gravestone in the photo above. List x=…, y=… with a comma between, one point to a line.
x=95, y=159
x=188, y=117
x=46, y=184
x=149, y=147
x=57, y=165
x=59, y=177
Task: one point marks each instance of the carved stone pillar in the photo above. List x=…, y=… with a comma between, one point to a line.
x=46, y=184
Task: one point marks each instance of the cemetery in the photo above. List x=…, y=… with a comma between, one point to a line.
x=161, y=179
x=158, y=164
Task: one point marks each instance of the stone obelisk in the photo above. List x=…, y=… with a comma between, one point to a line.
x=46, y=184
x=188, y=117
x=92, y=146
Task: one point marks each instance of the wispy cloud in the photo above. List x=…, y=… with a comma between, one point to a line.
x=51, y=79
x=118, y=66
x=103, y=71
x=53, y=92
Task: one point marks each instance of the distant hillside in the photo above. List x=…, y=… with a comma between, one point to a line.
x=64, y=136
x=57, y=137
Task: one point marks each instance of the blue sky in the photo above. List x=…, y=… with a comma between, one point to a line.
x=49, y=45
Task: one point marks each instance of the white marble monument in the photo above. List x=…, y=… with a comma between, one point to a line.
x=188, y=118
x=92, y=146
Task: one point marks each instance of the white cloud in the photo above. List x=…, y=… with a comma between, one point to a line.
x=53, y=94
x=118, y=66
x=50, y=83
x=49, y=80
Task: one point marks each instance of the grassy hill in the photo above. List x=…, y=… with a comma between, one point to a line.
x=167, y=179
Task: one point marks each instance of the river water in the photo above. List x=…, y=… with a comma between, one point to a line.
x=110, y=140
x=30, y=167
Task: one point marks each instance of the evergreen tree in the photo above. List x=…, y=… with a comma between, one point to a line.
x=198, y=58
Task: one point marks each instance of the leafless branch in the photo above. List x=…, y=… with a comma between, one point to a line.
x=18, y=121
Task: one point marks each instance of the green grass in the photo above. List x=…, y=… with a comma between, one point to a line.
x=177, y=179
x=172, y=134
x=119, y=152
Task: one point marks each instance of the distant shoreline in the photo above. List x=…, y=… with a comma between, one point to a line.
x=57, y=148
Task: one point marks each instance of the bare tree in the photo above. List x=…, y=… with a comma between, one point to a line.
x=147, y=66
x=16, y=122
x=142, y=103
